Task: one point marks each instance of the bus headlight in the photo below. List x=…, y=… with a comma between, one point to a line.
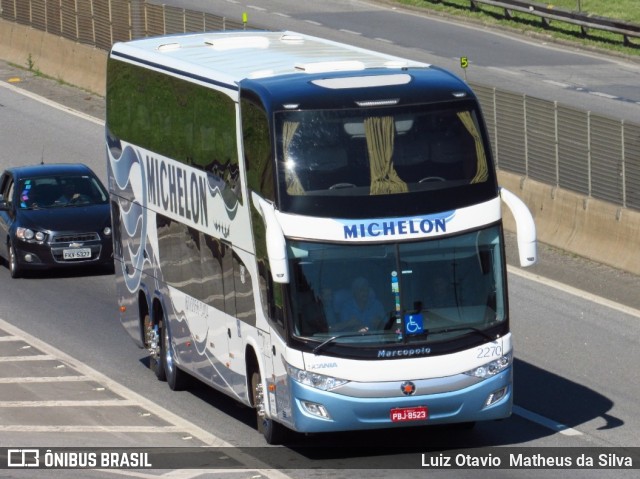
x=492, y=368
x=319, y=381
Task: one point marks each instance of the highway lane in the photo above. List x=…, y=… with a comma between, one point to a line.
x=498, y=57
x=570, y=350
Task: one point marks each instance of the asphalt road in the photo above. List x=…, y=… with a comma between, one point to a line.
x=502, y=58
x=572, y=388
x=576, y=323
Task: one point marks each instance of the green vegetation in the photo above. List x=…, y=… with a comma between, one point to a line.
x=621, y=9
x=626, y=10
x=31, y=65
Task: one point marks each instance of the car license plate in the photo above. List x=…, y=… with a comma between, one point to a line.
x=401, y=414
x=76, y=253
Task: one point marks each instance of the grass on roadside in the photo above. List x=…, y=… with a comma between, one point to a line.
x=617, y=9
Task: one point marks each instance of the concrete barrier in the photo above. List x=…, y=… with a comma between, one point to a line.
x=80, y=65
x=587, y=227
x=594, y=229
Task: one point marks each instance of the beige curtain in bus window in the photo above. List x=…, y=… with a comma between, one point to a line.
x=380, y=133
x=294, y=187
x=482, y=171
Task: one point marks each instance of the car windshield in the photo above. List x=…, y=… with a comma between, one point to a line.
x=418, y=292
x=60, y=191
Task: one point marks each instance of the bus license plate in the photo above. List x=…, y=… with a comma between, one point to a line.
x=402, y=414
x=76, y=253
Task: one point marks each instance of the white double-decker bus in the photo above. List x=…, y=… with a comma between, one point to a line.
x=312, y=228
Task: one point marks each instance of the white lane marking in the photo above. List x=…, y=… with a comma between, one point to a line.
x=501, y=70
x=69, y=403
x=50, y=103
x=574, y=291
x=604, y=95
x=350, y=32
x=97, y=429
x=180, y=425
x=51, y=379
x=182, y=473
x=557, y=83
x=546, y=422
x=14, y=359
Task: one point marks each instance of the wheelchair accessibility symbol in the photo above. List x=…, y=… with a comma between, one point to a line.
x=413, y=323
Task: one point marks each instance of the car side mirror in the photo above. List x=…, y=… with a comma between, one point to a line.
x=3, y=204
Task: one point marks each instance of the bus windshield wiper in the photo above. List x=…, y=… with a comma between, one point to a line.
x=447, y=329
x=321, y=346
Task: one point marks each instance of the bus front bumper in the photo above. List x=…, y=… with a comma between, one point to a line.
x=313, y=410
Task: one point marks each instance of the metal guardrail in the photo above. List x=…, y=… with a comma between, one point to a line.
x=596, y=156
x=590, y=154
x=548, y=12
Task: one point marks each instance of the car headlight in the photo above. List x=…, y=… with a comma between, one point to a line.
x=319, y=381
x=26, y=234
x=106, y=231
x=492, y=368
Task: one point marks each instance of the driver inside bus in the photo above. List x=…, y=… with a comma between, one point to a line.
x=361, y=311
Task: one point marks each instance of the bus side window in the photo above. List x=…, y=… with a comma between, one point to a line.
x=275, y=299
x=245, y=304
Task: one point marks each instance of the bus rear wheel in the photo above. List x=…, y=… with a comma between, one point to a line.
x=273, y=432
x=177, y=379
x=152, y=343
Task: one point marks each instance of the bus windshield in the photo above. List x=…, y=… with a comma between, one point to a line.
x=380, y=151
x=411, y=292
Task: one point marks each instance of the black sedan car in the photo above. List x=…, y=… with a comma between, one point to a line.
x=54, y=215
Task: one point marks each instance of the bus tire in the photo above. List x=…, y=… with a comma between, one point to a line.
x=273, y=432
x=177, y=379
x=152, y=342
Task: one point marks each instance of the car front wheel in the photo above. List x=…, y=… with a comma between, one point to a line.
x=14, y=267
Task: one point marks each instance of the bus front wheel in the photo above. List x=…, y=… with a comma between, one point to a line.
x=273, y=432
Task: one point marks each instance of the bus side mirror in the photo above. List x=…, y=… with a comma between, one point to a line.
x=276, y=245
x=525, y=226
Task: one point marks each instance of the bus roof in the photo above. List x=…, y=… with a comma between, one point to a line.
x=233, y=56
x=288, y=68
